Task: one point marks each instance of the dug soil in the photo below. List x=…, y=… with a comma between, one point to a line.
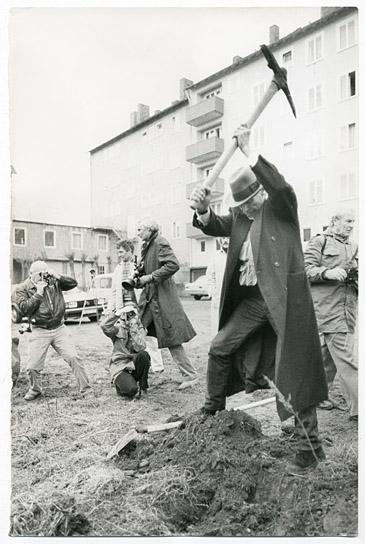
x=221, y=475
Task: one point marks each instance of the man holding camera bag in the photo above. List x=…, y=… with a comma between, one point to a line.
x=40, y=298
x=331, y=263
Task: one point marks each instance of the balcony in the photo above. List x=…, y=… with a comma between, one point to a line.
x=209, y=149
x=217, y=188
x=205, y=111
x=193, y=232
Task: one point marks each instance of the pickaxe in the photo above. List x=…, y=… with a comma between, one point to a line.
x=278, y=82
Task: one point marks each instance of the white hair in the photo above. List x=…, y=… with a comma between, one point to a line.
x=149, y=223
x=340, y=212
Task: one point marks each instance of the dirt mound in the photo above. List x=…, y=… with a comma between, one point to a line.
x=220, y=476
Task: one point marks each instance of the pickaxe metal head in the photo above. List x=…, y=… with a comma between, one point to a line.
x=279, y=75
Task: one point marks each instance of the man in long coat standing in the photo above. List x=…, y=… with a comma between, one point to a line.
x=266, y=310
x=159, y=305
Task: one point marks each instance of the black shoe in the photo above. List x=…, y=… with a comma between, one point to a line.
x=306, y=460
x=207, y=412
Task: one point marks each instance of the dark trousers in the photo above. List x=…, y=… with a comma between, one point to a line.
x=126, y=383
x=249, y=316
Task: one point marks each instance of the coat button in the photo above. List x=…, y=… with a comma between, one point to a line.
x=273, y=238
x=276, y=263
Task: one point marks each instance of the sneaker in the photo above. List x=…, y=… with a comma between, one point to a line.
x=306, y=460
x=188, y=383
x=31, y=395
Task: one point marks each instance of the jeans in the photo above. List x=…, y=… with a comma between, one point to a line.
x=39, y=340
x=249, y=316
x=126, y=382
x=338, y=357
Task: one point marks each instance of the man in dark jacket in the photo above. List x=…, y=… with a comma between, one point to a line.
x=266, y=311
x=159, y=305
x=40, y=298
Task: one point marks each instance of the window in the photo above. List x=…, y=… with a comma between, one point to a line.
x=176, y=229
x=348, y=186
x=101, y=269
x=175, y=194
x=76, y=240
x=346, y=34
x=348, y=85
x=20, y=238
x=215, y=132
x=258, y=92
x=314, y=48
x=316, y=192
x=287, y=57
x=306, y=235
x=217, y=207
x=213, y=92
x=315, y=145
x=49, y=238
x=315, y=97
x=175, y=158
x=258, y=136
x=202, y=246
x=288, y=150
x=102, y=242
x=348, y=137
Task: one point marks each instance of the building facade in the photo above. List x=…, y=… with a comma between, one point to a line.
x=67, y=250
x=151, y=168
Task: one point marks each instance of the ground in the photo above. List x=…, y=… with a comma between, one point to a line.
x=223, y=475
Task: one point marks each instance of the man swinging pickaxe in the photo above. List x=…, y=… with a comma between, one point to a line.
x=279, y=82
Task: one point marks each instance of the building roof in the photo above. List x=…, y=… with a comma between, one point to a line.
x=299, y=33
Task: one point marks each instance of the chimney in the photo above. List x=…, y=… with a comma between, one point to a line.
x=133, y=118
x=327, y=11
x=236, y=59
x=157, y=112
x=184, y=84
x=273, y=33
x=143, y=112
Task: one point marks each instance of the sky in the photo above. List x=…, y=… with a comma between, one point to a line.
x=76, y=74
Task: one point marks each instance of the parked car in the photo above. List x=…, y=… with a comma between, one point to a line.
x=101, y=288
x=197, y=288
x=78, y=303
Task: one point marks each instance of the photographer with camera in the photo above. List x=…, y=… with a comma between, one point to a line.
x=129, y=363
x=40, y=298
x=159, y=305
x=331, y=263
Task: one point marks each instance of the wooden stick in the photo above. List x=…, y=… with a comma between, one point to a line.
x=254, y=404
x=160, y=427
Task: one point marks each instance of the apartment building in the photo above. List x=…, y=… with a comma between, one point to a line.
x=151, y=168
x=67, y=249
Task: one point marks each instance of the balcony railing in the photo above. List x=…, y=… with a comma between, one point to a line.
x=205, y=111
x=217, y=188
x=209, y=149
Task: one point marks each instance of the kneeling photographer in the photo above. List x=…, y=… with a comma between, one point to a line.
x=331, y=263
x=40, y=298
x=129, y=363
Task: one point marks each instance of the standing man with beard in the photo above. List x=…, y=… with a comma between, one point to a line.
x=159, y=304
x=331, y=263
x=266, y=310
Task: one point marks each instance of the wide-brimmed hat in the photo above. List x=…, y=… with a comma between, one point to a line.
x=243, y=186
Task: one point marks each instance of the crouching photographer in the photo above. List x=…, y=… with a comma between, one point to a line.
x=129, y=363
x=331, y=262
x=40, y=299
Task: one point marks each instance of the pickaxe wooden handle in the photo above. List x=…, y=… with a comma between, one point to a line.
x=278, y=82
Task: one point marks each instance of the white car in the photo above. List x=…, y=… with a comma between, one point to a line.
x=197, y=288
x=101, y=288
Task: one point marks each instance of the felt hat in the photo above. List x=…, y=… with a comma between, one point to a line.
x=243, y=186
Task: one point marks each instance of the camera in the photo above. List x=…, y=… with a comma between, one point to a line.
x=133, y=283
x=352, y=275
x=47, y=277
x=25, y=328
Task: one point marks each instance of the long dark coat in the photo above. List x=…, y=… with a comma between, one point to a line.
x=277, y=250
x=172, y=327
